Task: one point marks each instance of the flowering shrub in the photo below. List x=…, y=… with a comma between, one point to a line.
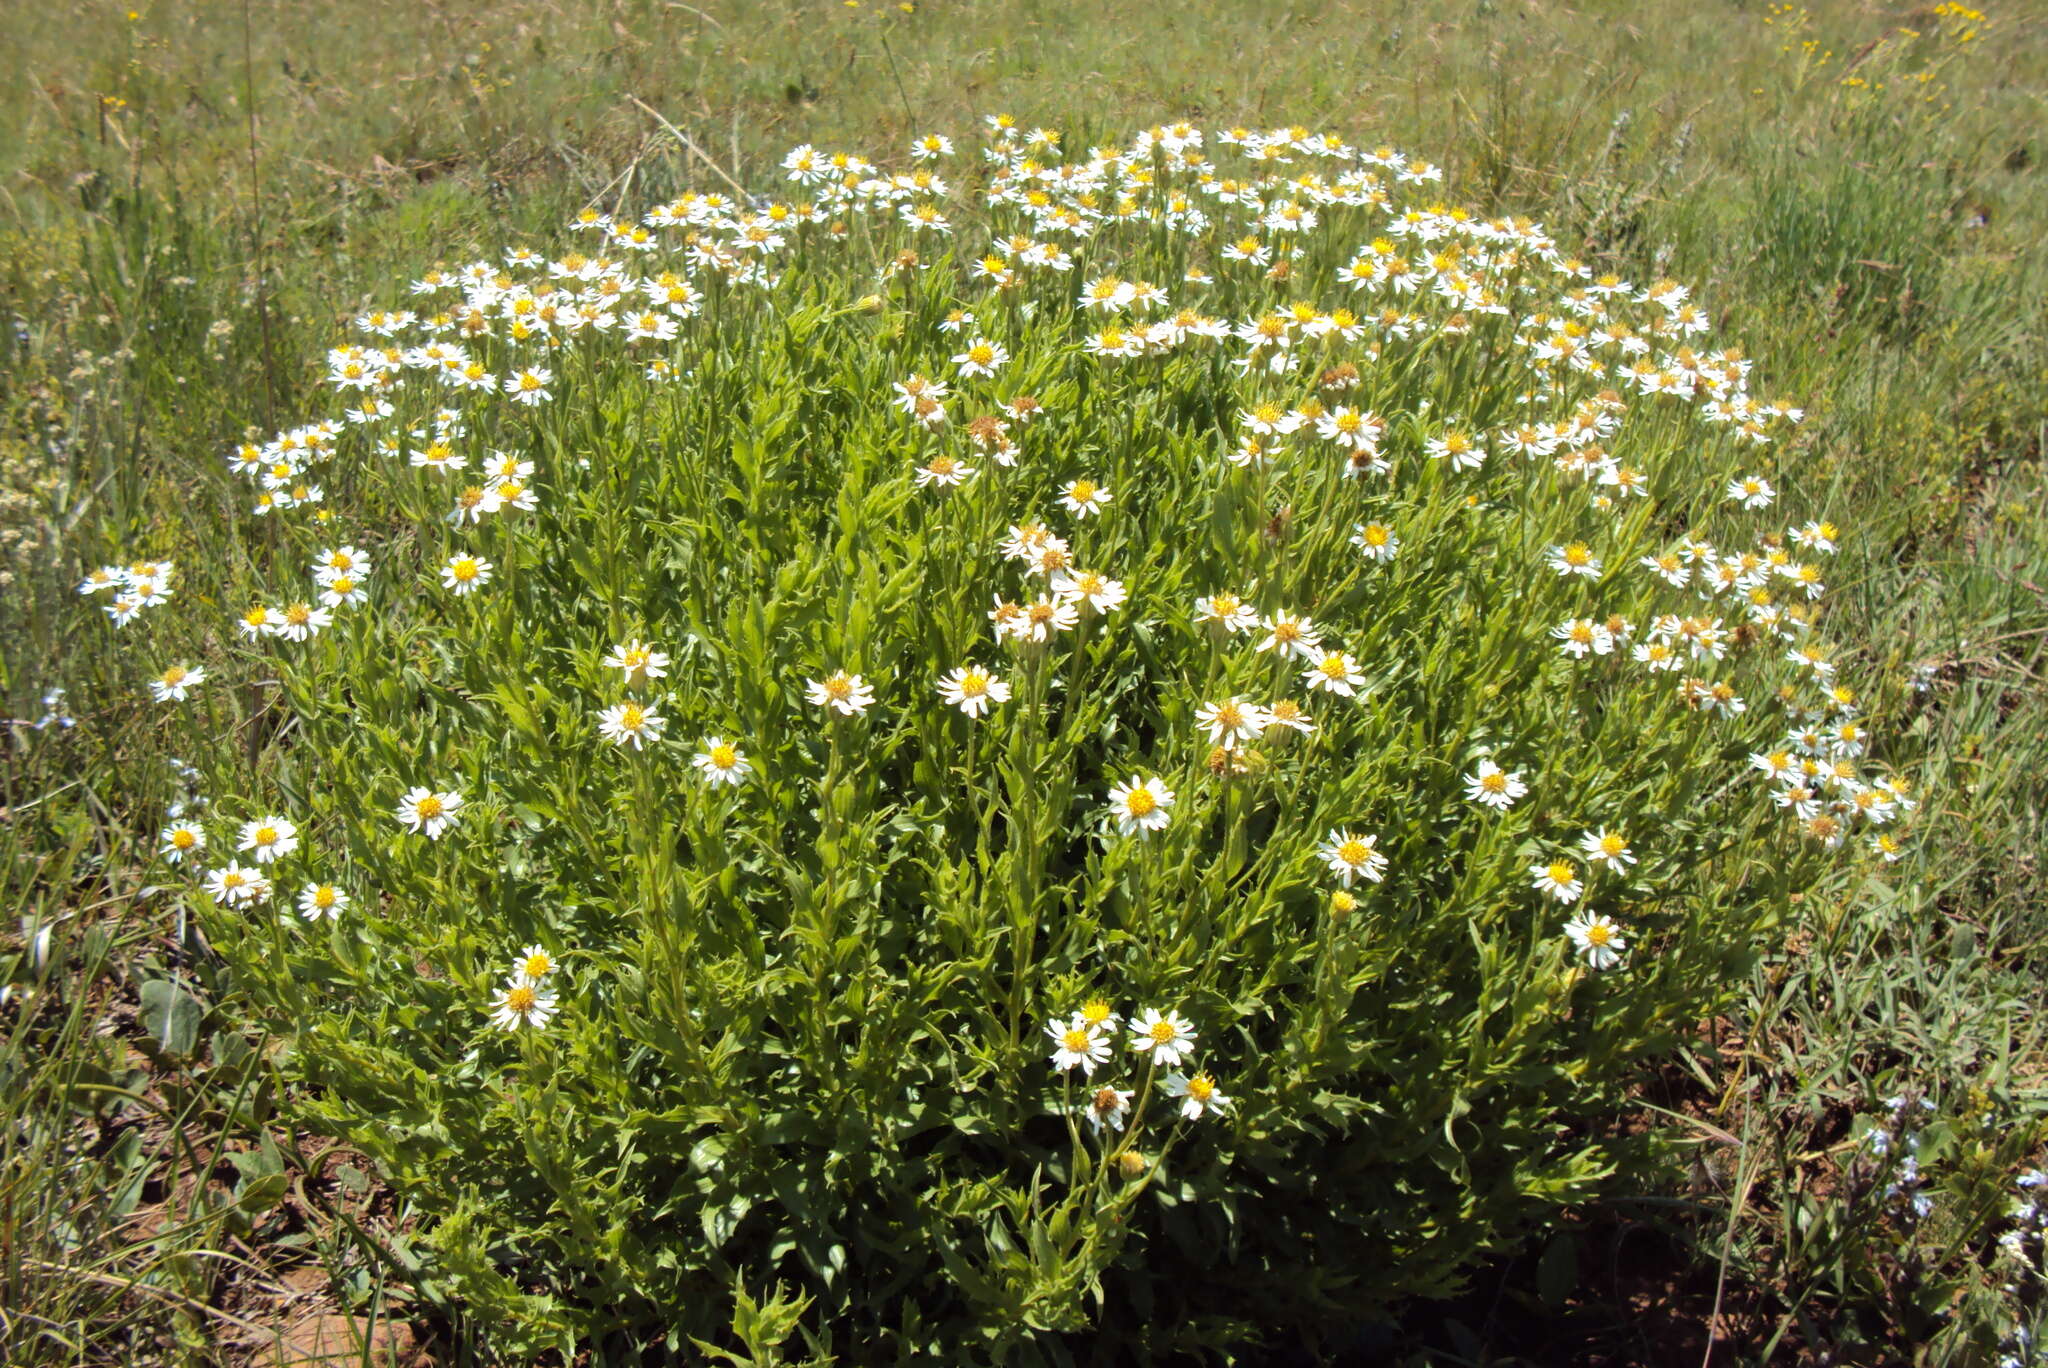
x=1156, y=781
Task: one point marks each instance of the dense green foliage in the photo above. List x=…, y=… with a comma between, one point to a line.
x=1410, y=1084
x=801, y=1016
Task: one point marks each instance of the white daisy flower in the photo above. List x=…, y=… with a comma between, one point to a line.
x=174, y=683
x=1610, y=848
x=1199, y=1095
x=427, y=812
x=1335, y=672
x=1597, y=938
x=1077, y=1044
x=1495, y=787
x=322, y=900
x=1140, y=806
x=1558, y=878
x=841, y=692
x=1083, y=498
x=981, y=357
x=180, y=839
x=1166, y=1037
x=1107, y=1107
x=1352, y=857
x=1232, y=721
x=269, y=838
x=721, y=763
x=465, y=574
x=637, y=661
x=630, y=724
x=972, y=689
x=523, y=1002
x=236, y=885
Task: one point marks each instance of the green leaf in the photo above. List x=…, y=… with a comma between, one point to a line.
x=171, y=1015
x=1557, y=1271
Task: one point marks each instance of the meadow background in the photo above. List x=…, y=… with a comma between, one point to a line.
x=193, y=197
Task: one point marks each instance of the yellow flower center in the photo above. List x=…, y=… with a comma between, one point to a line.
x=521, y=999
x=973, y=684
x=536, y=966
x=1560, y=872
x=266, y=835
x=1082, y=491
x=464, y=569
x=1139, y=802
x=1076, y=1041
x=1354, y=852
x=1612, y=845
x=839, y=687
x=1163, y=1032
x=1599, y=933
x=1229, y=715
x=981, y=354
x=1333, y=667
x=1495, y=782
x=429, y=806
x=724, y=756
x=1201, y=1087
x=183, y=840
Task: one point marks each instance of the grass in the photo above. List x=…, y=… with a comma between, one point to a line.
x=1878, y=254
